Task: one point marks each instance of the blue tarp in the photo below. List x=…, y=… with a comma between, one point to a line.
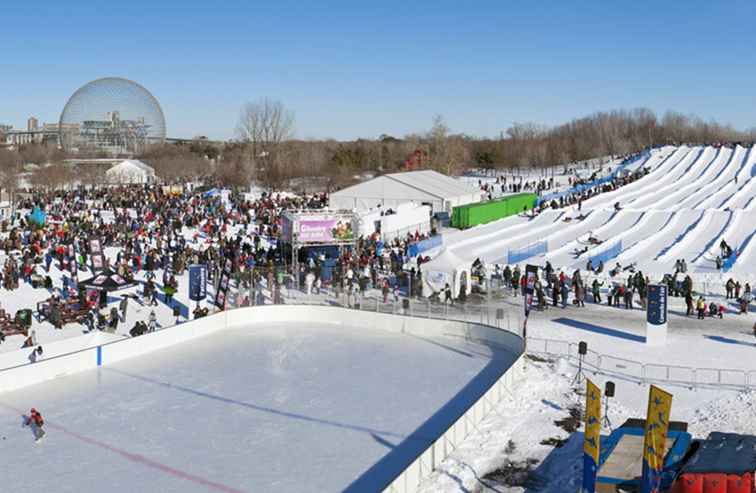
x=419, y=247
x=517, y=256
x=724, y=453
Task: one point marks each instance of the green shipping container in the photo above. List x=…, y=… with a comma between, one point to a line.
x=470, y=215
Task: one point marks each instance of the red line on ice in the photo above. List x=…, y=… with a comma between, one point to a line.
x=140, y=459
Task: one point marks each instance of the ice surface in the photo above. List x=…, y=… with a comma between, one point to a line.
x=264, y=408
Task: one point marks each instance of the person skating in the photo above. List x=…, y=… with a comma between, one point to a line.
x=36, y=422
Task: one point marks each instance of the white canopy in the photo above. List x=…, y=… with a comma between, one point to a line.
x=130, y=171
x=446, y=267
x=429, y=187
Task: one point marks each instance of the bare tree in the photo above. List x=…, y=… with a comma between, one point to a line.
x=447, y=152
x=265, y=125
x=10, y=166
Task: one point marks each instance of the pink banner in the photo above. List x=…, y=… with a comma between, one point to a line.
x=325, y=230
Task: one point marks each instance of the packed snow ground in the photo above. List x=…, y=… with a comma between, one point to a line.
x=265, y=408
x=514, y=431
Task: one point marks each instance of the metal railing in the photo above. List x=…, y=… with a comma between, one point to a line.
x=642, y=373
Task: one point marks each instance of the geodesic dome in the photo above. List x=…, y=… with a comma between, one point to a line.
x=111, y=115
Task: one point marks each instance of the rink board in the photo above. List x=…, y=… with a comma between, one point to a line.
x=278, y=407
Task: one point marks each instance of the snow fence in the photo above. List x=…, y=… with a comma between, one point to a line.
x=415, y=472
x=520, y=254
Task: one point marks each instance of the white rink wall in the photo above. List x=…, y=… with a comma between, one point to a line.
x=409, y=480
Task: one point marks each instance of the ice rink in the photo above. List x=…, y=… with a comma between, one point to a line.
x=264, y=408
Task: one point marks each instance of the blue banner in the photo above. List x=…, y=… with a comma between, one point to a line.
x=197, y=282
x=607, y=254
x=656, y=313
x=520, y=254
x=419, y=247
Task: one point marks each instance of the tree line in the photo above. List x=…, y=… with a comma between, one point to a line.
x=267, y=152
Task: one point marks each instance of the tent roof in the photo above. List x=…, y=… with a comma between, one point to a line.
x=426, y=182
x=446, y=261
x=434, y=183
x=131, y=165
x=108, y=281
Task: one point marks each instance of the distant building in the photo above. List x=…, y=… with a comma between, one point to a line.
x=34, y=134
x=4, y=130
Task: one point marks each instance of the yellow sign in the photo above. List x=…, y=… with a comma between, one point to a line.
x=592, y=421
x=657, y=425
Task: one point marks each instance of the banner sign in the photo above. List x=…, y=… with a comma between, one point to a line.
x=197, y=282
x=656, y=313
x=592, y=437
x=95, y=250
x=320, y=228
x=419, y=247
x=531, y=276
x=222, y=293
x=655, y=441
x=520, y=254
x=325, y=230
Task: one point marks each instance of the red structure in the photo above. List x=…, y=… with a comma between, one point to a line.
x=723, y=463
x=417, y=160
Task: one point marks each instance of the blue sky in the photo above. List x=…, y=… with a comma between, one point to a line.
x=360, y=69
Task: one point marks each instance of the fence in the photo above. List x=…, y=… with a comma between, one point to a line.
x=642, y=373
x=520, y=254
x=607, y=254
x=410, y=319
x=577, y=189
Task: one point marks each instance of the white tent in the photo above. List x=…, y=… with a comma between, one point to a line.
x=130, y=171
x=429, y=187
x=446, y=267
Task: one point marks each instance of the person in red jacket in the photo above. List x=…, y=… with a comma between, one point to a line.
x=36, y=422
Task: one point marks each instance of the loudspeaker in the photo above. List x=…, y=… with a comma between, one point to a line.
x=583, y=348
x=609, y=389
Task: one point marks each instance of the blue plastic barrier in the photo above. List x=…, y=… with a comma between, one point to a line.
x=517, y=256
x=607, y=255
x=599, y=181
x=419, y=247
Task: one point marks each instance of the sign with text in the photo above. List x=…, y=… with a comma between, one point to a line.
x=321, y=228
x=197, y=282
x=656, y=313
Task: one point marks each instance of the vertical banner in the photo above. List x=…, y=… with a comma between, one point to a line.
x=655, y=441
x=222, y=292
x=656, y=315
x=98, y=259
x=197, y=282
x=531, y=275
x=592, y=436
